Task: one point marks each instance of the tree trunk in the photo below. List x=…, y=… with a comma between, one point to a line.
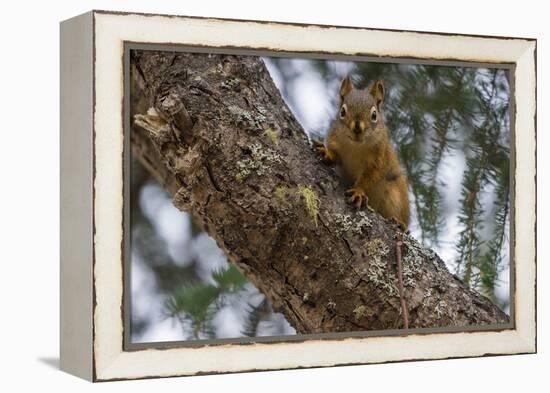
x=222, y=141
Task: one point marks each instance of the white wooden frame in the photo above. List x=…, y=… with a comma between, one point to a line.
x=92, y=146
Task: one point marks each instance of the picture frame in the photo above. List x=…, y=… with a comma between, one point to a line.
x=94, y=187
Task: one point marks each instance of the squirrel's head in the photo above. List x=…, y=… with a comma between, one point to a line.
x=359, y=111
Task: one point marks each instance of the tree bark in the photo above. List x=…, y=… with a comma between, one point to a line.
x=222, y=141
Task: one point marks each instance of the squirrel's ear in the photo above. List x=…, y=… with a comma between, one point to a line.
x=377, y=90
x=346, y=86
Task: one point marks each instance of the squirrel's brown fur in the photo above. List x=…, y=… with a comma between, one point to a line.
x=358, y=142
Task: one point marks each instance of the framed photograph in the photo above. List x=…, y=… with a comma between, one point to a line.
x=246, y=195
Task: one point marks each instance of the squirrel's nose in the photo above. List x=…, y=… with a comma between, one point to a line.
x=357, y=129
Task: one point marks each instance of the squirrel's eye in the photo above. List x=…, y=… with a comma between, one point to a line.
x=373, y=115
x=343, y=111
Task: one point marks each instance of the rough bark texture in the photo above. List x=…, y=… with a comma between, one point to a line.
x=225, y=145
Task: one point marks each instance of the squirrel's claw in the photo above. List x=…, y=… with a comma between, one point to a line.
x=324, y=152
x=399, y=224
x=357, y=197
x=318, y=143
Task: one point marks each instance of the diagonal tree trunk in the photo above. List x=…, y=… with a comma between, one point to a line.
x=224, y=144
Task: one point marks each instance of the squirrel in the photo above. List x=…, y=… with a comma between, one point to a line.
x=358, y=143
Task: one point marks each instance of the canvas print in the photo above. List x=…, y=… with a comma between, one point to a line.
x=281, y=196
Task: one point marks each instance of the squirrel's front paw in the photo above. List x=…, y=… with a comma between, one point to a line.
x=320, y=148
x=357, y=197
